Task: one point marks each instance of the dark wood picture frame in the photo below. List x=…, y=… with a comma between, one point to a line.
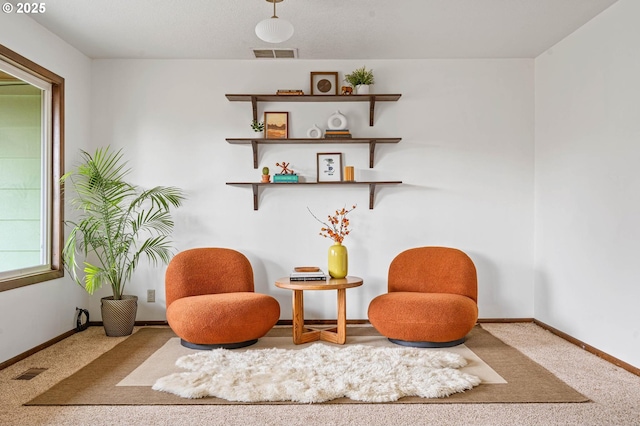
x=324, y=83
x=329, y=167
x=276, y=125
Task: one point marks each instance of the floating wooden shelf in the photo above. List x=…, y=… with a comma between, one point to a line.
x=372, y=187
x=259, y=141
x=371, y=98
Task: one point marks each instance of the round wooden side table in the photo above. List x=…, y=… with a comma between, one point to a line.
x=302, y=334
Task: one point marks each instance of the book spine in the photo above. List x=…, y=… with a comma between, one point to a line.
x=289, y=92
x=307, y=278
x=285, y=178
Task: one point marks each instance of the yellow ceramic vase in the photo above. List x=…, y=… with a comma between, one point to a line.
x=338, y=261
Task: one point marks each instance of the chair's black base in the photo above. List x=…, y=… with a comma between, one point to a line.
x=217, y=346
x=427, y=344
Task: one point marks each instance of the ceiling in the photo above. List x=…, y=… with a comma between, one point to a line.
x=324, y=29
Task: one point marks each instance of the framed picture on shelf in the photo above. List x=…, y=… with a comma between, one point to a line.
x=324, y=83
x=276, y=125
x=329, y=166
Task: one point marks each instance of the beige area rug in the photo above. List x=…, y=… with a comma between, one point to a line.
x=124, y=375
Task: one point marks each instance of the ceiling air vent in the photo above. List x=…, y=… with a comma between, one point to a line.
x=275, y=53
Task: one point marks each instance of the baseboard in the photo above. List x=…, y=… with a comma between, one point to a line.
x=137, y=323
x=324, y=322
x=364, y=321
x=38, y=348
x=613, y=360
x=504, y=320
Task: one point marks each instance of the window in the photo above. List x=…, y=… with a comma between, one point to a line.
x=31, y=148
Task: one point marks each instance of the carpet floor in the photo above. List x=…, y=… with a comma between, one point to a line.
x=97, y=383
x=613, y=394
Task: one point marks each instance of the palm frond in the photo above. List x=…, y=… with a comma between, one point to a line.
x=118, y=222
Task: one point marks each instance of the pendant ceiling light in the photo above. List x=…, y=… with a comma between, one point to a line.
x=274, y=29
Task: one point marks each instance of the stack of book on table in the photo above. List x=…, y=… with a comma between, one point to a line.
x=307, y=273
x=337, y=134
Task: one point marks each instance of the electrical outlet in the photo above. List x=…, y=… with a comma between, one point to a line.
x=151, y=296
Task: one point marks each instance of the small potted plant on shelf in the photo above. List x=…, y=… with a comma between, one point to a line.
x=360, y=79
x=257, y=126
x=266, y=178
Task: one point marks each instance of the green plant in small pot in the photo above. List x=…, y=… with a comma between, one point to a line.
x=117, y=225
x=257, y=126
x=266, y=177
x=360, y=79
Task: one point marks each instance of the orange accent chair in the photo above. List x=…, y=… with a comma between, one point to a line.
x=431, y=301
x=211, y=301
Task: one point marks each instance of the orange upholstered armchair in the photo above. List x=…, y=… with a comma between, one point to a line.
x=211, y=301
x=432, y=298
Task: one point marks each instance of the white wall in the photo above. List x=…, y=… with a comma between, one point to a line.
x=587, y=183
x=34, y=314
x=466, y=160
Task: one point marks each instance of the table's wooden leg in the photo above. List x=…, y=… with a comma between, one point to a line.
x=338, y=334
x=301, y=334
x=342, y=316
x=298, y=316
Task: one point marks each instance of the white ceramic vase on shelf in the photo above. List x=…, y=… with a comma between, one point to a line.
x=337, y=121
x=314, y=133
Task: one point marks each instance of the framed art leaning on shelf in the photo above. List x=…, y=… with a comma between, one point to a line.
x=324, y=83
x=329, y=166
x=276, y=125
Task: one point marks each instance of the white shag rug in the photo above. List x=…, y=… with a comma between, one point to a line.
x=319, y=373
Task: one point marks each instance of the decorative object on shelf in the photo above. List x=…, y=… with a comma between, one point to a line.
x=265, y=175
x=360, y=79
x=337, y=228
x=349, y=174
x=285, y=169
x=337, y=121
x=115, y=225
x=276, y=125
x=329, y=167
x=315, y=132
x=337, y=134
x=274, y=29
x=337, y=124
x=257, y=126
x=324, y=83
x=346, y=90
x=277, y=178
x=287, y=175
x=288, y=92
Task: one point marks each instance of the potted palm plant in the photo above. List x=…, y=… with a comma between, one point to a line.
x=117, y=225
x=360, y=79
